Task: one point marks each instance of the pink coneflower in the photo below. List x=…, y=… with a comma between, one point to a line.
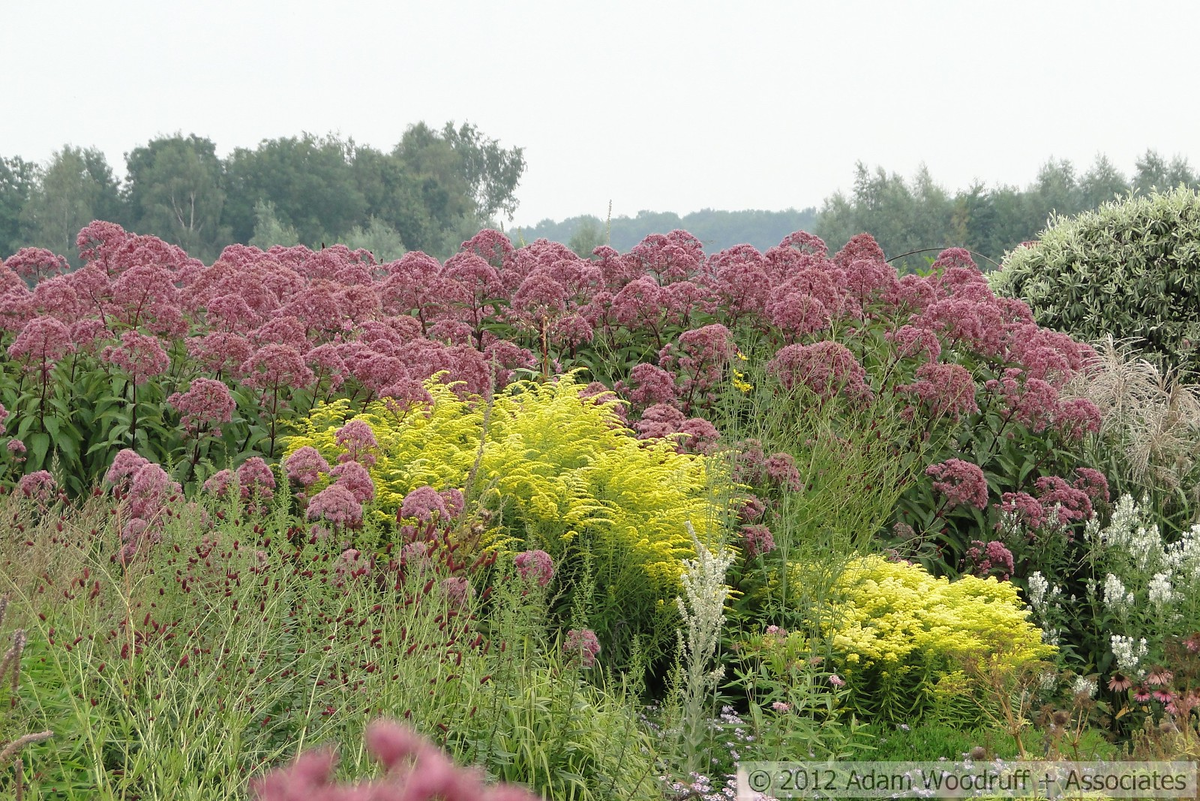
x=1141, y=694
x=1163, y=696
x=1159, y=676
x=1119, y=683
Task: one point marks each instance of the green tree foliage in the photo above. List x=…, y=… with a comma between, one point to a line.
x=76, y=188
x=174, y=191
x=268, y=230
x=378, y=237
x=919, y=215
x=309, y=180
x=1130, y=269
x=17, y=180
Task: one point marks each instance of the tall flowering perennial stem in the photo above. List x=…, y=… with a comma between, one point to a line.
x=702, y=612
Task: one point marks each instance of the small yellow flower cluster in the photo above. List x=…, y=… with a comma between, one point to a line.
x=893, y=619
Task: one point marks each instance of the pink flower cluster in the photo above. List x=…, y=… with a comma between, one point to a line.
x=581, y=647
x=961, y=482
x=535, y=566
x=149, y=491
x=992, y=557
x=415, y=770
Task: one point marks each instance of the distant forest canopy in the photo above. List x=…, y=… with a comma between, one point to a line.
x=438, y=187
x=718, y=230
x=434, y=189
x=906, y=216
x=916, y=216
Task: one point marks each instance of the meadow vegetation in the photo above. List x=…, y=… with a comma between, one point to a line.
x=588, y=528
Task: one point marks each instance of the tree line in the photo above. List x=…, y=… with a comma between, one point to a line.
x=906, y=216
x=434, y=189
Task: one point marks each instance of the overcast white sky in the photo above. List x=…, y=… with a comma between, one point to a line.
x=652, y=105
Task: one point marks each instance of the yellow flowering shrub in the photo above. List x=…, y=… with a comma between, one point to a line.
x=901, y=636
x=562, y=473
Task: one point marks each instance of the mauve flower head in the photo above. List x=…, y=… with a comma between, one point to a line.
x=305, y=466
x=781, y=468
x=1091, y=481
x=797, y=314
x=1025, y=508
x=539, y=297
x=986, y=558
x=283, y=329
x=36, y=264
x=206, y=403
x=915, y=342
x=535, y=566
x=946, y=390
x=1077, y=417
x=962, y=482
x=581, y=646
x=1070, y=504
x=218, y=483
x=640, y=304
x=3, y=417
x=275, y=367
x=649, y=385
x=354, y=477
x=40, y=486
x=757, y=539
x=805, y=243
x=16, y=449
x=458, y=591
x=826, y=368
x=492, y=246
x=752, y=509
x=43, y=341
x=220, y=352
x=150, y=491
x=425, y=504
x=58, y=298
x=139, y=355
x=337, y=506
x=256, y=478
x=358, y=438
x=125, y=464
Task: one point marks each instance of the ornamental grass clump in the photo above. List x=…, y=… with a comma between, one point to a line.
x=11, y=742
x=901, y=637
